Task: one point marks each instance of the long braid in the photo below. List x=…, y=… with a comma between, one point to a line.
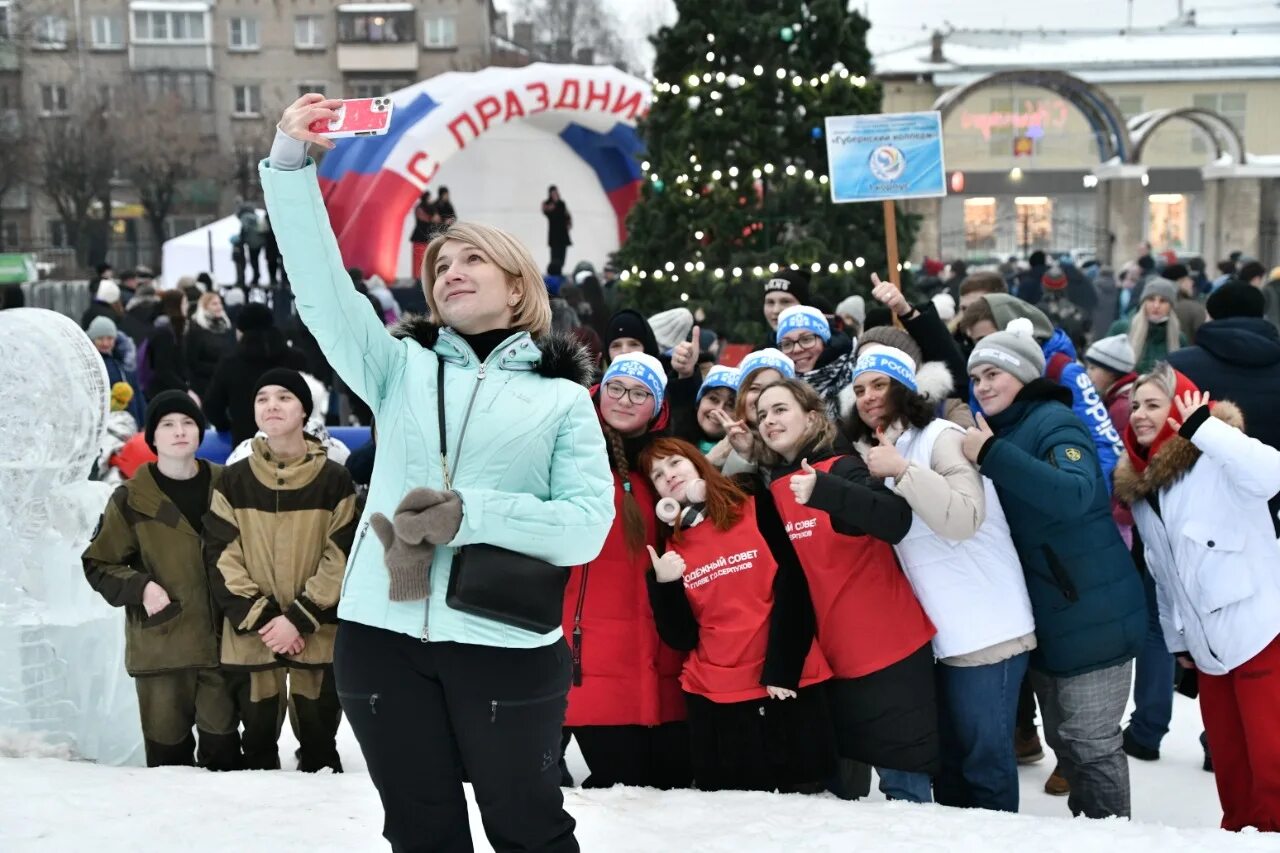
x=632, y=518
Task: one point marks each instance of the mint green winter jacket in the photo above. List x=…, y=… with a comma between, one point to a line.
x=533, y=473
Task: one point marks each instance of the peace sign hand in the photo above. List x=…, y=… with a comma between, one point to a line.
x=1187, y=405
x=735, y=432
x=803, y=484
x=884, y=460
x=976, y=438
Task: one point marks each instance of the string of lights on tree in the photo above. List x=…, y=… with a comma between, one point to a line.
x=670, y=272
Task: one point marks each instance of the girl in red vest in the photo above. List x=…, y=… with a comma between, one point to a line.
x=872, y=630
x=625, y=706
x=730, y=590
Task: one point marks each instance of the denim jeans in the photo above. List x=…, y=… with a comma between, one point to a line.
x=905, y=785
x=1153, y=679
x=977, y=706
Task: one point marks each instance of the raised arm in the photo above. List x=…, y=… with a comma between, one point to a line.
x=859, y=504
x=1252, y=466
x=352, y=338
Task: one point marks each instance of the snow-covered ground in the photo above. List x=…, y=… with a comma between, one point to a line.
x=52, y=805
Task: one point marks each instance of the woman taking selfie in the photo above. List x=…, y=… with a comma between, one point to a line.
x=1198, y=487
x=489, y=455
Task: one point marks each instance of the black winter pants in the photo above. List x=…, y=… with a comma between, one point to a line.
x=642, y=756
x=425, y=714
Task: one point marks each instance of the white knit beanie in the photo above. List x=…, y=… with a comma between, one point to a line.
x=1015, y=351
x=672, y=327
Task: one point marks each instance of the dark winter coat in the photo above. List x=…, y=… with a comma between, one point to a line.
x=1191, y=315
x=558, y=221
x=165, y=359
x=99, y=309
x=144, y=537
x=1238, y=359
x=1029, y=284
x=936, y=341
x=1108, y=306
x=228, y=402
x=116, y=372
x=139, y=320
x=1087, y=598
x=206, y=345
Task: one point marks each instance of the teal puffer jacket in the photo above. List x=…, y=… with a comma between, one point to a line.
x=533, y=473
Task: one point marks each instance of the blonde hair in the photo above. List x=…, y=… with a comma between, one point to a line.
x=532, y=311
x=1140, y=329
x=1162, y=376
x=207, y=299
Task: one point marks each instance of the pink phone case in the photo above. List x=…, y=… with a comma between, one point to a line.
x=357, y=117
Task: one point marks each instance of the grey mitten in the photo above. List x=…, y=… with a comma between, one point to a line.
x=408, y=557
x=429, y=515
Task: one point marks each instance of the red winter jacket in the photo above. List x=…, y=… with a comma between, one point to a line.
x=1118, y=401
x=629, y=676
x=868, y=616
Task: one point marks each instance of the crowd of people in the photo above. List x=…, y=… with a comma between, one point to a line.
x=878, y=542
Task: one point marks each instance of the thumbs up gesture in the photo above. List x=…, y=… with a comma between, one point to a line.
x=976, y=438
x=884, y=460
x=684, y=358
x=802, y=484
x=669, y=567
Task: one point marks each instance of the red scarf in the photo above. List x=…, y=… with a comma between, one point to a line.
x=1140, y=457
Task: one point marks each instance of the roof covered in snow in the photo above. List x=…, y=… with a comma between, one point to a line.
x=1186, y=49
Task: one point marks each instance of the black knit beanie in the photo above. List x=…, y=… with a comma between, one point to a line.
x=168, y=403
x=254, y=317
x=795, y=282
x=632, y=324
x=1236, y=299
x=291, y=381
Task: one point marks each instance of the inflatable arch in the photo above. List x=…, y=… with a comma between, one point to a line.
x=371, y=185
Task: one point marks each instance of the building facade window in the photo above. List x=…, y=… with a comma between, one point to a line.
x=306, y=87
x=440, y=32
x=374, y=88
x=979, y=223
x=156, y=27
x=247, y=100
x=242, y=34
x=57, y=231
x=193, y=89
x=106, y=32
x=375, y=27
x=1034, y=222
x=11, y=235
x=51, y=32
x=308, y=32
x=53, y=99
x=1129, y=105
x=1229, y=105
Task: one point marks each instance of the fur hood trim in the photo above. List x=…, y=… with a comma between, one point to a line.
x=1171, y=461
x=933, y=379
x=562, y=357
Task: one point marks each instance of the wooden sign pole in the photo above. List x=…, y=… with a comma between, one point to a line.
x=891, y=247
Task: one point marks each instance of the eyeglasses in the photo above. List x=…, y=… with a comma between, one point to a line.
x=637, y=396
x=803, y=342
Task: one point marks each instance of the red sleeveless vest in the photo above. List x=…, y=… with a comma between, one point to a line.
x=728, y=579
x=868, y=615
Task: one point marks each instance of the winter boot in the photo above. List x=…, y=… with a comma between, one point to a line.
x=1208, y=759
x=1133, y=749
x=1056, y=785
x=1027, y=747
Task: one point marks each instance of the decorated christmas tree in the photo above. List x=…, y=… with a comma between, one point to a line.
x=736, y=171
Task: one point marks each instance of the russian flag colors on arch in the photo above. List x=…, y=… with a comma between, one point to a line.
x=371, y=184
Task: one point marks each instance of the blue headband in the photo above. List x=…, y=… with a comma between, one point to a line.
x=645, y=368
x=802, y=318
x=885, y=360
x=719, y=377
x=771, y=358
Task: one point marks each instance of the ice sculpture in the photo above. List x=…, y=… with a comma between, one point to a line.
x=63, y=688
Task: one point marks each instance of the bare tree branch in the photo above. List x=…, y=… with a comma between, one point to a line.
x=77, y=160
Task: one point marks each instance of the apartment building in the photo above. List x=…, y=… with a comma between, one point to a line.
x=234, y=64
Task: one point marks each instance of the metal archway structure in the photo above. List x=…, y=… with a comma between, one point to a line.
x=1226, y=139
x=1110, y=130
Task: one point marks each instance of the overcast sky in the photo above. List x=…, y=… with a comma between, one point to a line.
x=895, y=23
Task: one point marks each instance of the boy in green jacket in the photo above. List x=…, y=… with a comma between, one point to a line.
x=146, y=557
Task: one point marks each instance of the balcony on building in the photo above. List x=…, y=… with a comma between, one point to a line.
x=377, y=37
x=170, y=35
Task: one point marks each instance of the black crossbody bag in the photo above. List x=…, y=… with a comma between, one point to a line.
x=497, y=583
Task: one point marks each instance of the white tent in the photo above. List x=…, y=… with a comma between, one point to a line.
x=189, y=254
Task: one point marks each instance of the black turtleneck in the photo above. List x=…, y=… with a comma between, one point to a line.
x=190, y=496
x=484, y=343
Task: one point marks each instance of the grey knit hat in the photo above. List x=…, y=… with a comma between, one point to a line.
x=1160, y=287
x=101, y=327
x=1114, y=353
x=1015, y=351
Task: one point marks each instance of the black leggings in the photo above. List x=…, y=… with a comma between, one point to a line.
x=426, y=713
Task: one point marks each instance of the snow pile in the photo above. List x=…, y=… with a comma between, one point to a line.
x=69, y=806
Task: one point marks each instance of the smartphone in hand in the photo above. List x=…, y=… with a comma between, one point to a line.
x=357, y=117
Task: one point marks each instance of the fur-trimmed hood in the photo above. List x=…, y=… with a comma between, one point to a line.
x=933, y=380
x=1170, y=462
x=562, y=357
